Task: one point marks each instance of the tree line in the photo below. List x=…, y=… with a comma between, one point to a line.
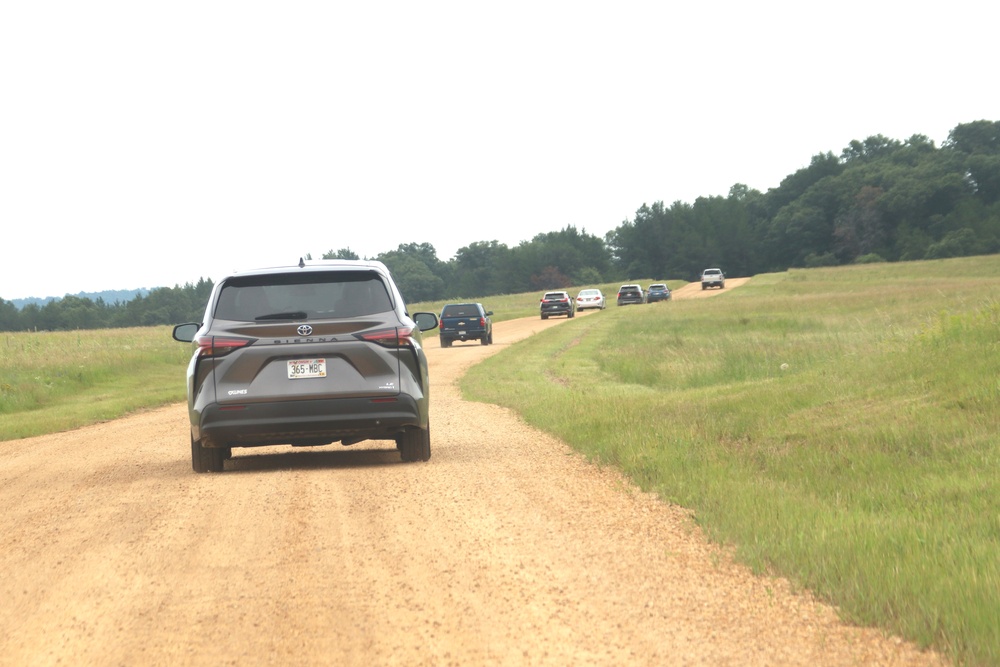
x=162, y=305
x=880, y=199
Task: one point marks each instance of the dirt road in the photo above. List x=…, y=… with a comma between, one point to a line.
x=504, y=549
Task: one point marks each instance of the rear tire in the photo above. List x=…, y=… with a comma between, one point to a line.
x=415, y=444
x=207, y=459
x=485, y=340
x=445, y=342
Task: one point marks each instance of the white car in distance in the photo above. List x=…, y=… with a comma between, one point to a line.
x=590, y=298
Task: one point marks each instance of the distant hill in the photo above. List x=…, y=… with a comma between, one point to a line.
x=109, y=297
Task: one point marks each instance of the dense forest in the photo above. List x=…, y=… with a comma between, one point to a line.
x=880, y=200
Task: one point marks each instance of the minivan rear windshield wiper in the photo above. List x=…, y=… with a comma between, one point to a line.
x=290, y=315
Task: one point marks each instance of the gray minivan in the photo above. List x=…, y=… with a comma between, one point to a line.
x=307, y=355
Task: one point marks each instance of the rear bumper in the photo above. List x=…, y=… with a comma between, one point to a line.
x=309, y=422
x=468, y=335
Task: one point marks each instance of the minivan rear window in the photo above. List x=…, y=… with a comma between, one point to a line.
x=330, y=294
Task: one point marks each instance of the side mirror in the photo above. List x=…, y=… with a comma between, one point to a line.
x=425, y=321
x=488, y=313
x=185, y=332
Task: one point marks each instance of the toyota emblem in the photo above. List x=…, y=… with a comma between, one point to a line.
x=305, y=330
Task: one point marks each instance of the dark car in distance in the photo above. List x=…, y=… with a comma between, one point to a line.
x=630, y=294
x=465, y=321
x=657, y=292
x=307, y=355
x=556, y=303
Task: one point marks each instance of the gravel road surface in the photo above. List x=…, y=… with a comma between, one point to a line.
x=506, y=548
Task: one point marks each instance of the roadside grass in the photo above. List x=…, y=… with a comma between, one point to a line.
x=54, y=381
x=834, y=426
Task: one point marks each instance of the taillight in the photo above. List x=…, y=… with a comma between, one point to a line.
x=220, y=346
x=482, y=322
x=394, y=338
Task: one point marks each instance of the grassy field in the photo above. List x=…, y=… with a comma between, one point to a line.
x=55, y=381
x=836, y=426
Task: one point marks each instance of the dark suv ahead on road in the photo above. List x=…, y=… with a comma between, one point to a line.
x=465, y=321
x=630, y=294
x=307, y=355
x=556, y=303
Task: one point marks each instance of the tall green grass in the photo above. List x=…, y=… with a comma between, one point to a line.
x=53, y=381
x=836, y=426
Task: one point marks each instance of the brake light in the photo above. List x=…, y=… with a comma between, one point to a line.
x=393, y=338
x=482, y=321
x=220, y=346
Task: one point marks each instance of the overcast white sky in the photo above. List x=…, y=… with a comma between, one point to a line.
x=147, y=144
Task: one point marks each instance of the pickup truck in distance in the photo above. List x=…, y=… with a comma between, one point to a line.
x=713, y=278
x=466, y=321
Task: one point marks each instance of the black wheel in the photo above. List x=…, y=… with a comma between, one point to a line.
x=445, y=342
x=491, y=338
x=570, y=314
x=485, y=340
x=545, y=317
x=415, y=444
x=207, y=459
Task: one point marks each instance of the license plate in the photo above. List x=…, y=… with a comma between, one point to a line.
x=300, y=369
x=461, y=333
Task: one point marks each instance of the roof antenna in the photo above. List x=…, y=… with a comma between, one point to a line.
x=302, y=263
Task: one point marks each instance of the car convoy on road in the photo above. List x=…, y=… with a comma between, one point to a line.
x=327, y=352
